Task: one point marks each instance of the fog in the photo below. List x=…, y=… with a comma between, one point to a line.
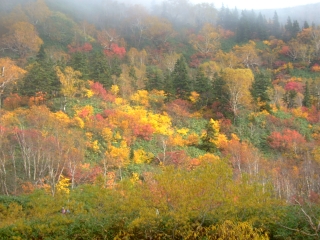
x=248, y=4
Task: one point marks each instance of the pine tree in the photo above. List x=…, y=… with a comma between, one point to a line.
x=181, y=80
x=221, y=96
x=202, y=86
x=133, y=76
x=79, y=62
x=262, y=27
x=307, y=98
x=41, y=78
x=295, y=28
x=155, y=78
x=210, y=136
x=99, y=70
x=276, y=29
x=288, y=34
x=262, y=82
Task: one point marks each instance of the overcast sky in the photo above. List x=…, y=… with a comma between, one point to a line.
x=257, y=4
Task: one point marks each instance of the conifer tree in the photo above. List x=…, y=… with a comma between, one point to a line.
x=181, y=80
x=202, y=86
x=100, y=71
x=79, y=62
x=307, y=98
x=155, y=78
x=295, y=28
x=276, y=29
x=221, y=95
x=41, y=77
x=260, y=85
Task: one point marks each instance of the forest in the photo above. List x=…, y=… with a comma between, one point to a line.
x=178, y=121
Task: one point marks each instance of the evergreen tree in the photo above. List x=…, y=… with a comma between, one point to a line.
x=202, y=86
x=115, y=68
x=168, y=85
x=295, y=28
x=181, y=80
x=305, y=25
x=262, y=82
x=155, y=79
x=288, y=34
x=79, y=62
x=133, y=76
x=221, y=96
x=276, y=29
x=41, y=77
x=262, y=30
x=41, y=56
x=307, y=98
x=99, y=70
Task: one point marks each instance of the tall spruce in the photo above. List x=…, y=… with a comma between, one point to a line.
x=79, y=62
x=260, y=85
x=276, y=28
x=203, y=86
x=155, y=78
x=181, y=80
x=41, y=78
x=99, y=70
x=307, y=96
x=221, y=96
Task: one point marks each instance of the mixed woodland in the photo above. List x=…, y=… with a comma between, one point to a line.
x=183, y=121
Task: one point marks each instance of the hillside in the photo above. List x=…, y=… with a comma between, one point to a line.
x=117, y=122
x=302, y=13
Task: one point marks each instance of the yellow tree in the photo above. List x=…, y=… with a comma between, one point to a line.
x=207, y=41
x=227, y=60
x=170, y=60
x=315, y=33
x=9, y=74
x=238, y=82
x=16, y=15
x=71, y=84
x=210, y=69
x=158, y=30
x=248, y=54
x=22, y=39
x=37, y=11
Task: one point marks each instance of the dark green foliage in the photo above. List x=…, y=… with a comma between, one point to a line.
x=155, y=78
x=181, y=80
x=100, y=70
x=295, y=225
x=221, y=97
x=307, y=97
x=289, y=98
x=262, y=28
x=58, y=29
x=245, y=26
x=7, y=200
x=228, y=19
x=133, y=76
x=115, y=68
x=295, y=28
x=207, y=140
x=275, y=27
x=79, y=61
x=41, y=56
x=203, y=87
x=262, y=82
x=41, y=77
x=291, y=29
x=251, y=26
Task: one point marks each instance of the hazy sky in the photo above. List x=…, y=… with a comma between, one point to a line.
x=257, y=4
